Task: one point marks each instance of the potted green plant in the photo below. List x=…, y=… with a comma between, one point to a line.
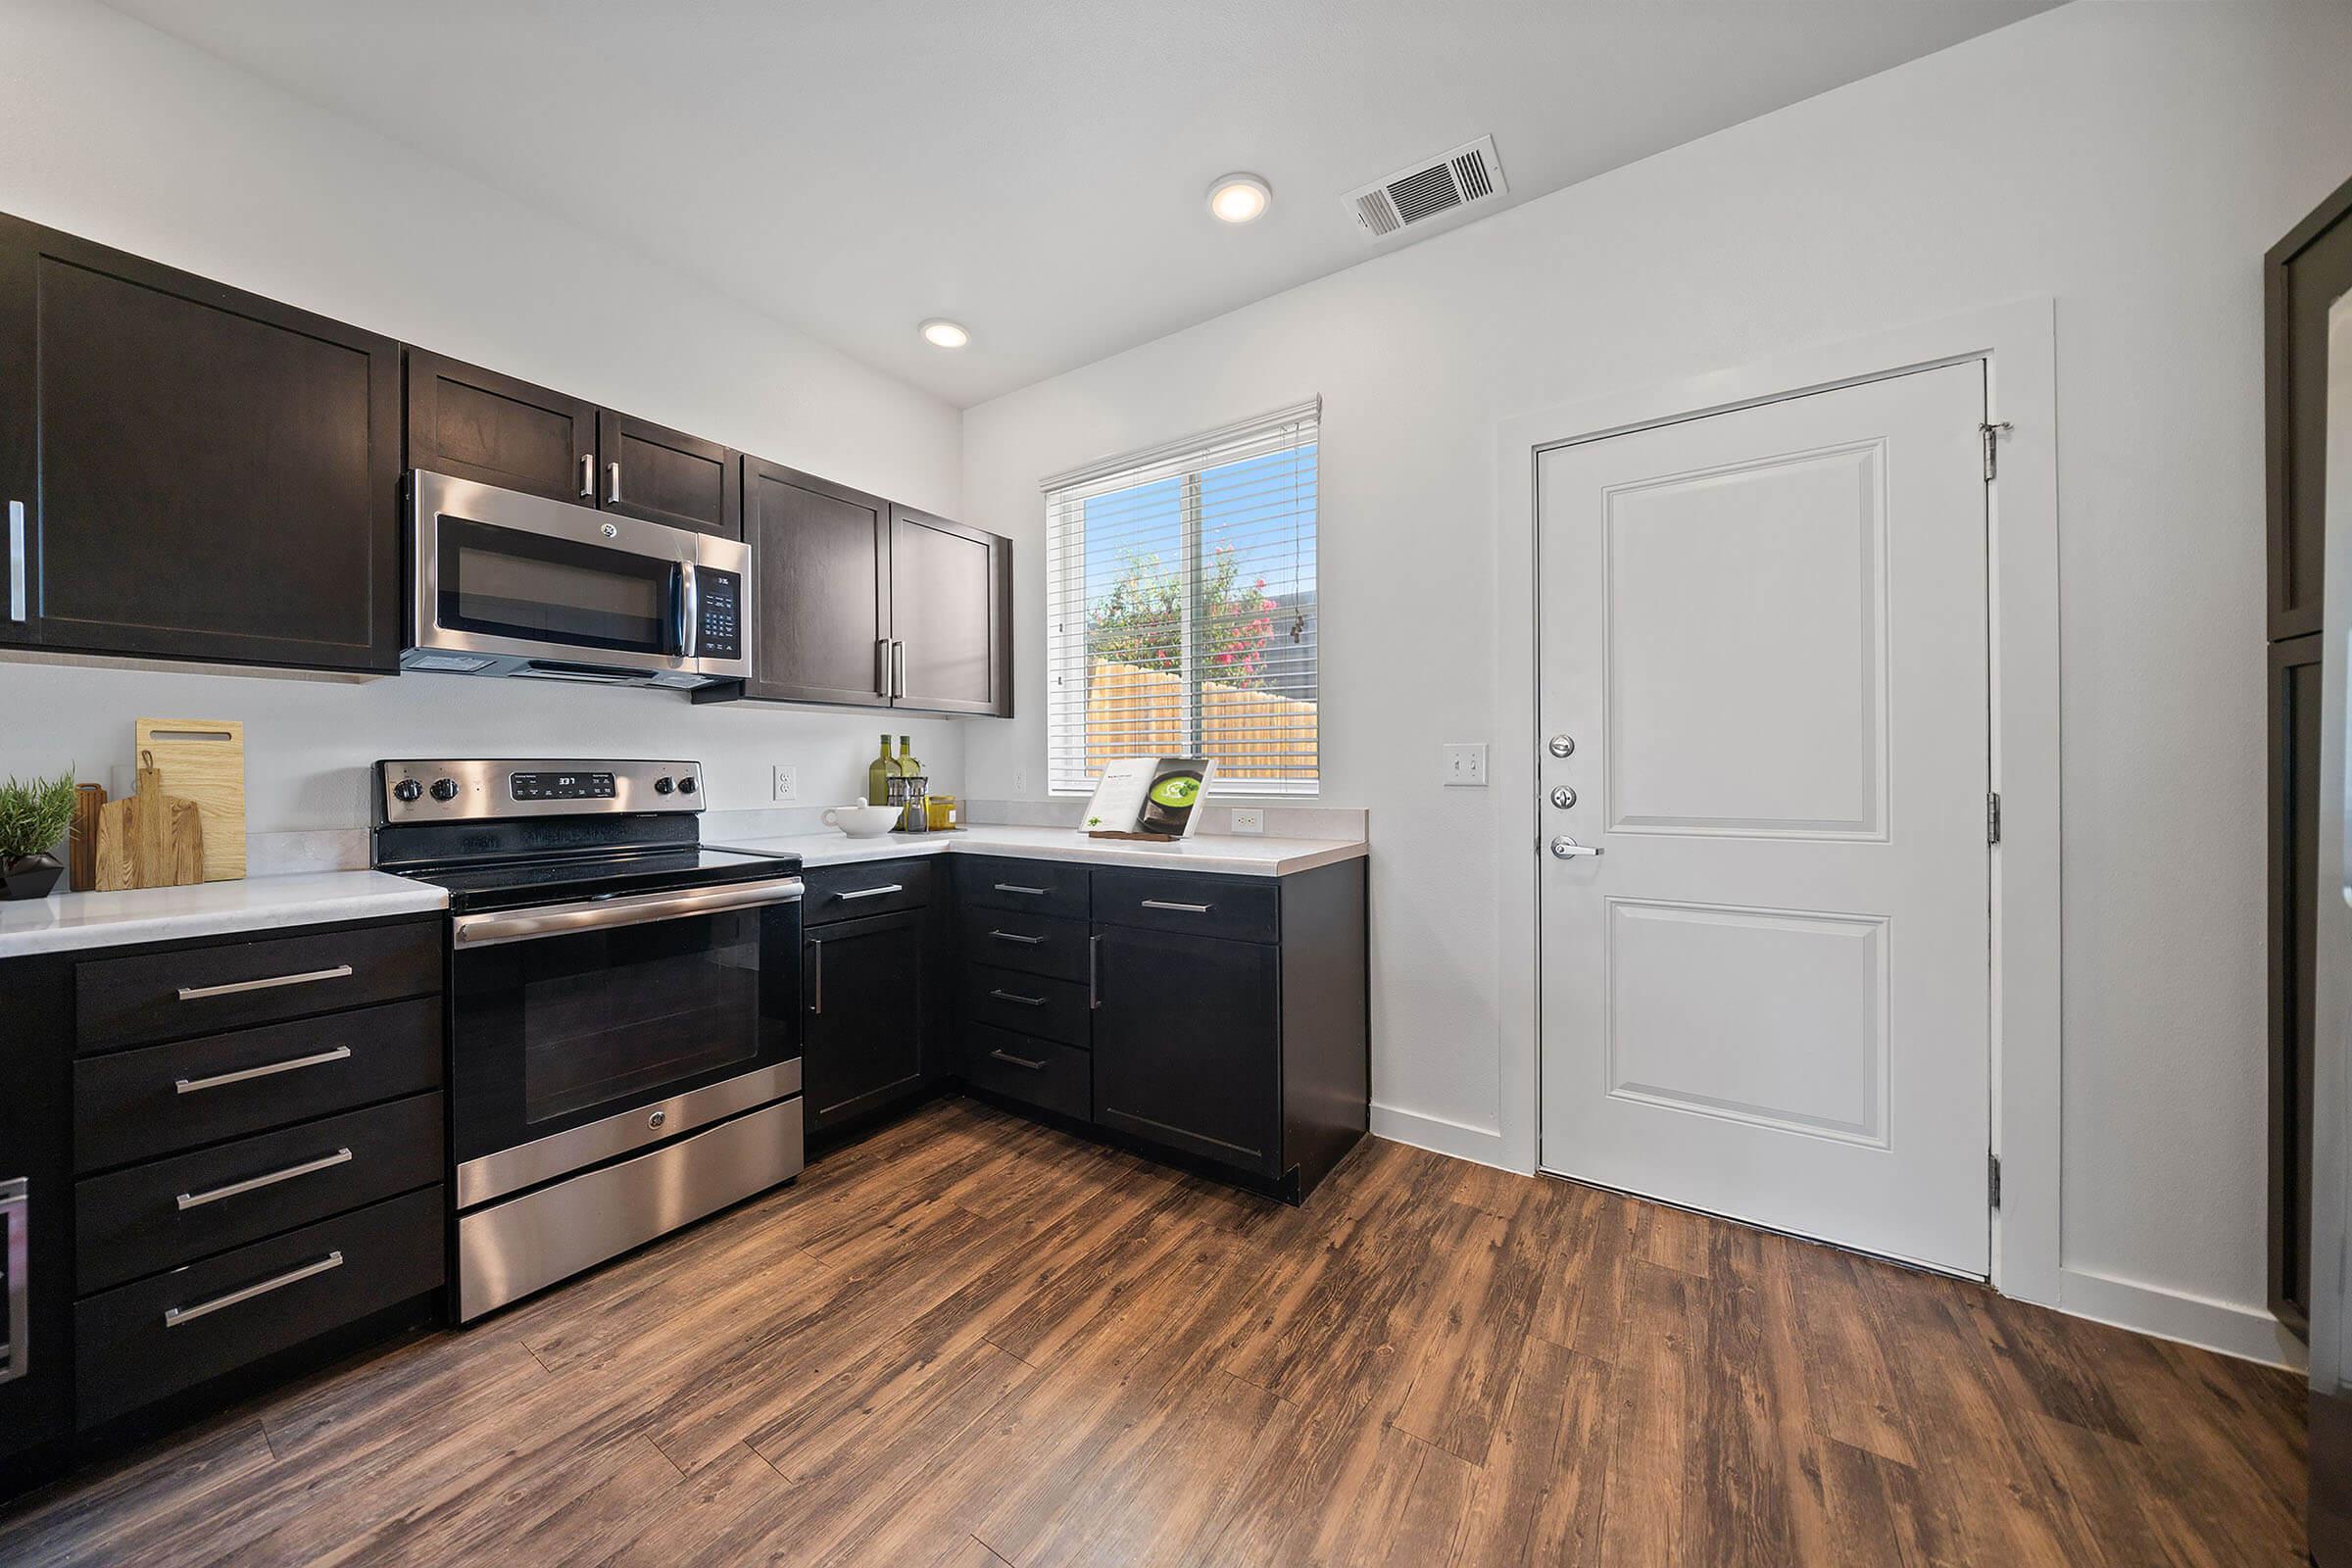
x=33, y=817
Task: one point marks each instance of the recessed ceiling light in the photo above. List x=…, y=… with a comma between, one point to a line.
x=1239, y=198
x=941, y=332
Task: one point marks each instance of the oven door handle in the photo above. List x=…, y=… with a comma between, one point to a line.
x=591, y=914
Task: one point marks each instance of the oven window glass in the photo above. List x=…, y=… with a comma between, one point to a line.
x=508, y=583
x=621, y=1015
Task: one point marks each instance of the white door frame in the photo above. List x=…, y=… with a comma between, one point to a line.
x=2017, y=343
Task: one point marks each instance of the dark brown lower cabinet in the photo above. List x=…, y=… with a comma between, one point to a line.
x=863, y=1046
x=1187, y=1043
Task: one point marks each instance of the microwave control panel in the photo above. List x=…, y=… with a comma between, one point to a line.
x=718, y=617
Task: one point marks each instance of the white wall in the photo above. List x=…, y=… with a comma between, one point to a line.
x=2132, y=162
x=112, y=131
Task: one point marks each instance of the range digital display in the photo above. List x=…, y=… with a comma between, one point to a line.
x=561, y=786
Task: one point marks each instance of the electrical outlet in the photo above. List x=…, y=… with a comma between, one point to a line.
x=1248, y=819
x=1466, y=765
x=786, y=784
x=1021, y=784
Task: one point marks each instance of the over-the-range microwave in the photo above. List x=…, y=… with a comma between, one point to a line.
x=503, y=583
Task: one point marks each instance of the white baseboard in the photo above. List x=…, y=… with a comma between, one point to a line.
x=1480, y=1145
x=2246, y=1332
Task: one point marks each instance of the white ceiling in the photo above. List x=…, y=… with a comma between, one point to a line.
x=1034, y=169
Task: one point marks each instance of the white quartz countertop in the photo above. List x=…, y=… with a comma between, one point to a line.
x=1229, y=855
x=208, y=909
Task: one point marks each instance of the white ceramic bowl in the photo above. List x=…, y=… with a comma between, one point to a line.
x=862, y=822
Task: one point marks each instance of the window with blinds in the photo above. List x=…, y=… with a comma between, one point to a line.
x=1180, y=597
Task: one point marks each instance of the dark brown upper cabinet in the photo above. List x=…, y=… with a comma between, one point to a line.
x=866, y=603
x=820, y=558
x=663, y=475
x=951, y=601
x=191, y=472
x=2303, y=274
x=478, y=424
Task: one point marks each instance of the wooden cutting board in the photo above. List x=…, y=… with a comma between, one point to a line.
x=203, y=759
x=152, y=840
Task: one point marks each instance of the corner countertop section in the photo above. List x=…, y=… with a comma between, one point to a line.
x=1224, y=853
x=64, y=920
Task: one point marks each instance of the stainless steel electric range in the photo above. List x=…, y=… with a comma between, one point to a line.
x=625, y=1007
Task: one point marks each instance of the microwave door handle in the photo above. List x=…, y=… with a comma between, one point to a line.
x=690, y=607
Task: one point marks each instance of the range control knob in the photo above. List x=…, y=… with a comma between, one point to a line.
x=408, y=789
x=686, y=785
x=445, y=789
x=662, y=785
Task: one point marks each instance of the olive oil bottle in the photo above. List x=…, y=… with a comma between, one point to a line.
x=878, y=775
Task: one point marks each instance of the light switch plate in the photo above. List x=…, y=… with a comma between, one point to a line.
x=1466, y=765
x=786, y=784
x=1248, y=819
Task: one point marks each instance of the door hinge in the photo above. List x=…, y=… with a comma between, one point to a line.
x=1992, y=1178
x=1991, y=436
x=1992, y=818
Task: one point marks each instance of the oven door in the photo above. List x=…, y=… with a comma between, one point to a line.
x=501, y=578
x=588, y=1031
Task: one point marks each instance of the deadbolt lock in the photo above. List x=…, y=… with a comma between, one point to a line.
x=1563, y=796
x=1562, y=746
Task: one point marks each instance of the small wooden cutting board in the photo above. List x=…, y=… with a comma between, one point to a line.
x=152, y=840
x=203, y=759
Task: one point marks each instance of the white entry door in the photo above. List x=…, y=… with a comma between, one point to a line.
x=1764, y=636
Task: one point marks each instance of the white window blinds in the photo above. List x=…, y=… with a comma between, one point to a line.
x=1182, y=606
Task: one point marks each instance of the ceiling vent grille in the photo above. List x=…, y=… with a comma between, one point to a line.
x=1466, y=177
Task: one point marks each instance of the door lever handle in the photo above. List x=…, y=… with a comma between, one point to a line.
x=1567, y=848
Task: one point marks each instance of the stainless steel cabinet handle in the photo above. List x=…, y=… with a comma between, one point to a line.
x=589, y=915
x=190, y=1086
x=1011, y=887
x=16, y=1215
x=1094, y=971
x=1019, y=1061
x=341, y=972
x=1026, y=1001
x=882, y=647
x=1181, y=908
x=1015, y=936
x=587, y=476
x=817, y=954
x=612, y=482
x=870, y=892
x=15, y=567
x=898, y=668
x=1567, y=848
x=174, y=1317
x=254, y=1184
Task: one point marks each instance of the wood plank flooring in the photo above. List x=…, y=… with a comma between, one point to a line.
x=971, y=1342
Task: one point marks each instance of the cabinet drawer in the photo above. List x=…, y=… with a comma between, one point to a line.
x=1027, y=886
x=853, y=891
x=1241, y=909
x=195, y=991
x=1036, y=1072
x=129, y=1105
x=157, y=1216
x=1034, y=943
x=1026, y=1003
x=138, y=1342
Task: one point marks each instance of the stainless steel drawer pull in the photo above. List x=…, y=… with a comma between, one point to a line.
x=870, y=892
x=174, y=1317
x=189, y=1086
x=1181, y=908
x=16, y=1251
x=1093, y=973
x=817, y=957
x=1026, y=1001
x=612, y=482
x=587, y=476
x=1014, y=887
x=254, y=1184
x=1015, y=936
x=341, y=972
x=15, y=560
x=1019, y=1061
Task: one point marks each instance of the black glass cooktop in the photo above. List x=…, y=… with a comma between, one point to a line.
x=516, y=884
